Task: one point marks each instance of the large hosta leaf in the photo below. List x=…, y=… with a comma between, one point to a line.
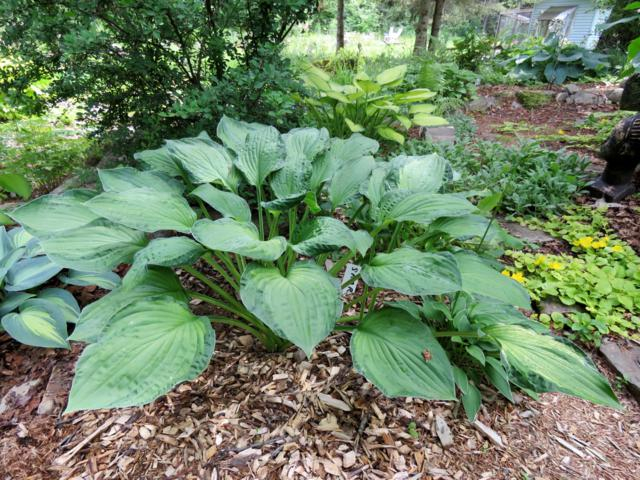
x=348, y=178
x=227, y=203
x=40, y=323
x=145, y=209
x=306, y=142
x=125, y=178
x=326, y=234
x=106, y=280
x=159, y=160
x=148, y=348
x=30, y=272
x=96, y=316
x=49, y=214
x=545, y=364
x=262, y=154
x=413, y=272
x=421, y=207
x=423, y=173
x=166, y=252
x=228, y=235
x=480, y=278
x=233, y=133
x=399, y=355
x=292, y=180
x=468, y=226
x=302, y=306
x=97, y=247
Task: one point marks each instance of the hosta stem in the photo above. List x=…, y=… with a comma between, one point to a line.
x=344, y=328
x=455, y=333
x=216, y=288
x=394, y=236
x=341, y=263
x=237, y=323
x=260, y=219
x=218, y=268
x=229, y=264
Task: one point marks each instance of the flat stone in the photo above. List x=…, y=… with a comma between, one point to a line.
x=572, y=88
x=553, y=305
x=615, y=95
x=18, y=396
x=586, y=98
x=562, y=97
x=444, y=432
x=445, y=133
x=625, y=359
x=527, y=234
x=481, y=104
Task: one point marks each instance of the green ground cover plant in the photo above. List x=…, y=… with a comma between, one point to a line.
x=600, y=279
x=265, y=211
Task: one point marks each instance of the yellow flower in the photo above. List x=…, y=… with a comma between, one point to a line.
x=506, y=273
x=617, y=249
x=561, y=132
x=584, y=242
x=599, y=244
x=555, y=266
x=518, y=277
x=540, y=260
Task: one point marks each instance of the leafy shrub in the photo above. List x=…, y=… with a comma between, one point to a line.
x=19, y=99
x=621, y=31
x=472, y=50
x=143, y=339
x=532, y=99
x=369, y=106
x=600, y=281
x=555, y=62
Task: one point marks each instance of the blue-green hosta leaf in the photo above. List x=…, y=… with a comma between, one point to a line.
x=421, y=207
x=399, y=355
x=6, y=245
x=326, y=234
x=50, y=214
x=96, y=316
x=80, y=194
x=347, y=180
x=498, y=377
x=550, y=365
x=480, y=278
x=227, y=203
x=302, y=306
x=306, y=142
x=40, y=323
x=13, y=300
x=145, y=209
x=285, y=203
x=488, y=311
x=97, y=247
x=377, y=185
x=159, y=160
x=262, y=154
x=228, y=235
x=340, y=153
x=148, y=348
x=413, y=272
x=466, y=227
x=125, y=178
x=293, y=179
x=21, y=238
x=64, y=300
x=204, y=160
x=9, y=260
x=106, y=280
x=166, y=252
x=30, y=272
x=233, y=133
x=421, y=173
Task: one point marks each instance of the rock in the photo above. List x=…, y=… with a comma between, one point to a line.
x=552, y=305
x=349, y=459
x=515, y=105
x=586, y=98
x=614, y=95
x=18, y=396
x=533, y=99
x=572, y=88
x=525, y=233
x=246, y=340
x=299, y=355
x=562, y=97
x=444, y=432
x=625, y=359
x=481, y=104
x=445, y=134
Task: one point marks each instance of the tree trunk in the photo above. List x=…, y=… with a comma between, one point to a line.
x=437, y=23
x=422, y=27
x=340, y=25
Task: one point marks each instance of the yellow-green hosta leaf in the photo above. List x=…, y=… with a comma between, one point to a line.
x=30, y=272
x=353, y=126
x=412, y=96
x=399, y=355
x=421, y=207
x=145, y=209
x=428, y=120
x=227, y=203
x=148, y=348
x=317, y=78
x=12, y=182
x=228, y=235
x=391, y=75
x=412, y=272
x=125, y=178
x=262, y=154
x=367, y=86
x=543, y=363
x=389, y=133
x=404, y=121
x=326, y=234
x=422, y=108
x=159, y=160
x=302, y=306
x=97, y=247
x=40, y=323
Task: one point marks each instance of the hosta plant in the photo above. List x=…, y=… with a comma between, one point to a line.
x=375, y=107
x=278, y=217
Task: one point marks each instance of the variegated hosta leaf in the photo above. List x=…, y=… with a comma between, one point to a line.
x=347, y=180
x=413, y=272
x=166, y=252
x=13, y=300
x=341, y=152
x=21, y=238
x=543, y=363
x=227, y=203
x=399, y=355
x=148, y=348
x=64, y=300
x=106, y=280
x=125, y=178
x=30, y=272
x=204, y=160
x=97, y=247
x=9, y=260
x=302, y=306
x=421, y=207
x=40, y=323
x=421, y=173
x=159, y=160
x=262, y=154
x=145, y=209
x=96, y=316
x=233, y=133
x=326, y=234
x=228, y=235
x=50, y=214
x=480, y=278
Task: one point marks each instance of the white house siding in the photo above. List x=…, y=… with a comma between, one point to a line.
x=583, y=30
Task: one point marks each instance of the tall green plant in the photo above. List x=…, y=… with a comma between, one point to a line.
x=265, y=211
